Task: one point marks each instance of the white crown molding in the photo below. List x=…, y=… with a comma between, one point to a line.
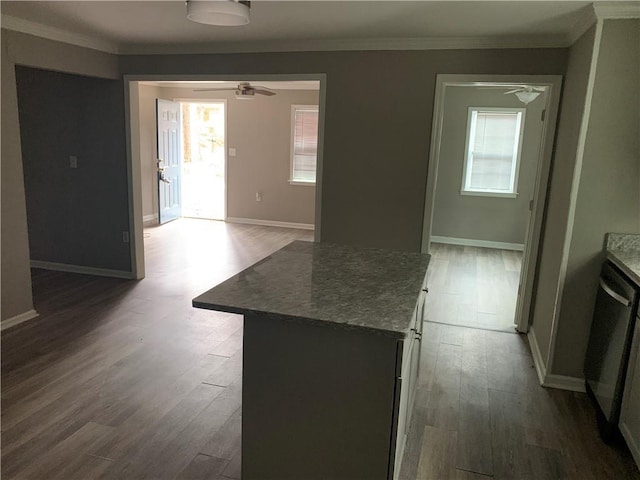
x=616, y=10
x=368, y=44
x=585, y=20
x=57, y=34
x=364, y=44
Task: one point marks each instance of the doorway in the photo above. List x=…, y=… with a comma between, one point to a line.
x=256, y=147
x=204, y=159
x=484, y=237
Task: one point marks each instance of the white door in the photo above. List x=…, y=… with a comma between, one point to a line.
x=169, y=163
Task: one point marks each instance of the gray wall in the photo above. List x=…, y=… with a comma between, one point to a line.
x=259, y=129
x=608, y=197
x=496, y=219
x=27, y=50
x=559, y=194
x=377, y=136
x=75, y=216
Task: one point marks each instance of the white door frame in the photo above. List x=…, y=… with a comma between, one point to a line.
x=534, y=229
x=132, y=130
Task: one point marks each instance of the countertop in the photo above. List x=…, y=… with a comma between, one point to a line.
x=327, y=284
x=624, y=251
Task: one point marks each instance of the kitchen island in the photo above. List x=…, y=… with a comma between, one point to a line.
x=331, y=352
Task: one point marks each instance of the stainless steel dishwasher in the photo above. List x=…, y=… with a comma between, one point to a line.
x=609, y=345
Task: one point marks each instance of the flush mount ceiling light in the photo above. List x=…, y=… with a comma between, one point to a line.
x=227, y=13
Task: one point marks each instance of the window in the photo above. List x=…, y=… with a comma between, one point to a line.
x=492, y=157
x=304, y=144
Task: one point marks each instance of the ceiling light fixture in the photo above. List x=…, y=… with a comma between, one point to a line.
x=527, y=97
x=227, y=13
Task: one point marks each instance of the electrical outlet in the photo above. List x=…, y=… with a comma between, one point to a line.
x=125, y=237
x=258, y=197
x=73, y=161
x=232, y=152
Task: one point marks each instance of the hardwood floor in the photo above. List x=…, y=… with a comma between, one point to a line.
x=125, y=380
x=473, y=287
x=481, y=413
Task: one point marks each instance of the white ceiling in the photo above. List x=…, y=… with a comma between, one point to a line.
x=161, y=26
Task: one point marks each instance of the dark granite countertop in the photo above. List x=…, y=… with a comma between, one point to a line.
x=624, y=251
x=332, y=285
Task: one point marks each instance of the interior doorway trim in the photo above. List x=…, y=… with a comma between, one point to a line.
x=132, y=129
x=534, y=230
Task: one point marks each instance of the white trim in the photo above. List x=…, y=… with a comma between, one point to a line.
x=469, y=242
x=13, y=321
x=300, y=183
x=488, y=193
x=534, y=231
x=583, y=23
x=538, y=359
x=562, y=382
x=632, y=444
x=57, y=34
x=271, y=223
x=150, y=218
x=367, y=44
x=616, y=10
x=66, y=267
x=132, y=127
x=134, y=177
x=573, y=198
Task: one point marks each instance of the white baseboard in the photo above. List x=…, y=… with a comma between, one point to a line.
x=271, y=223
x=550, y=380
x=562, y=382
x=469, y=242
x=65, y=267
x=538, y=361
x=13, y=321
x=632, y=444
x=153, y=218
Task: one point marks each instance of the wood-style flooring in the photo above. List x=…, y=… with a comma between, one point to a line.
x=473, y=287
x=480, y=413
x=125, y=380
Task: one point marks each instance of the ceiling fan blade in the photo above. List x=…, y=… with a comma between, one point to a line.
x=264, y=91
x=214, y=89
x=513, y=91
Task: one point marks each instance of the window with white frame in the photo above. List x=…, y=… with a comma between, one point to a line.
x=492, y=156
x=304, y=144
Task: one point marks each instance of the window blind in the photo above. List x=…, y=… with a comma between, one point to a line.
x=305, y=145
x=494, y=149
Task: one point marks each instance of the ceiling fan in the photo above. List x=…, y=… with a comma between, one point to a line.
x=525, y=93
x=244, y=90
